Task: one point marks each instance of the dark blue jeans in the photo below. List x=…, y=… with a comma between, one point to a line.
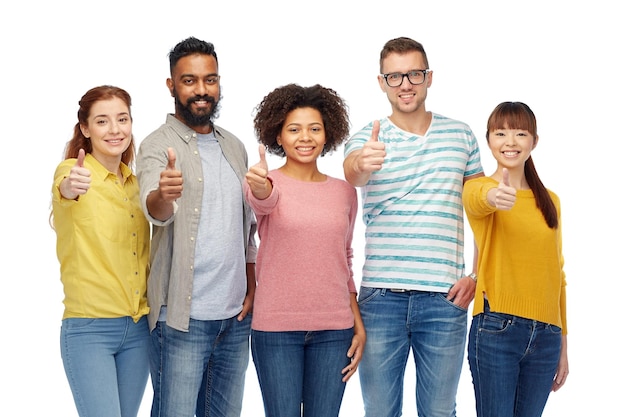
x=513, y=361
x=200, y=372
x=300, y=372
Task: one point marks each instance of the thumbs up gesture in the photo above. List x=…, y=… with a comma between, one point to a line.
x=79, y=180
x=505, y=195
x=373, y=153
x=171, y=181
x=256, y=177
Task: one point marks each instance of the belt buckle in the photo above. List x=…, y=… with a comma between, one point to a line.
x=398, y=290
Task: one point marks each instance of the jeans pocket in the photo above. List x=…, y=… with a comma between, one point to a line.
x=493, y=323
x=367, y=294
x=554, y=329
x=77, y=323
x=444, y=297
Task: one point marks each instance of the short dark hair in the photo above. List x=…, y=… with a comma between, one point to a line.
x=273, y=109
x=190, y=46
x=401, y=46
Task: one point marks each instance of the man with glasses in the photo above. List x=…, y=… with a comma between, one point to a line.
x=411, y=167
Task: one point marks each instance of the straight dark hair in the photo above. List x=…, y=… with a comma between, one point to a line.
x=517, y=115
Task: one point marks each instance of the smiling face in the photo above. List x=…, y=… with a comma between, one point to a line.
x=512, y=135
x=406, y=98
x=511, y=147
x=302, y=136
x=109, y=127
x=196, y=90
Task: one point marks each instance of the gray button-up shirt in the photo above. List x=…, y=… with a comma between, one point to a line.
x=171, y=270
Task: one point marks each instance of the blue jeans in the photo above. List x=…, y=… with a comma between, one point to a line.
x=513, y=361
x=106, y=363
x=301, y=369
x=200, y=372
x=396, y=322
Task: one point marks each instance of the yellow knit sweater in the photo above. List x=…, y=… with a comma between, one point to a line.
x=520, y=261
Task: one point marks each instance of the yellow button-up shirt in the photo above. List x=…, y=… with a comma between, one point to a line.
x=103, y=244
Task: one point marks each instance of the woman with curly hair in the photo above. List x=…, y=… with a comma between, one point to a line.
x=307, y=332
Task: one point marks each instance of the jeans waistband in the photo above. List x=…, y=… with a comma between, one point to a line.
x=514, y=318
x=407, y=291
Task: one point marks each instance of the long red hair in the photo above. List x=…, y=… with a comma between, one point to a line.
x=79, y=141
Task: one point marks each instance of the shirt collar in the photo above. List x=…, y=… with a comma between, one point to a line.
x=97, y=169
x=184, y=131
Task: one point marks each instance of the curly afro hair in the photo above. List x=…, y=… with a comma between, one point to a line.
x=273, y=109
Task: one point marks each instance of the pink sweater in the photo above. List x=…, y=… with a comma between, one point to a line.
x=304, y=264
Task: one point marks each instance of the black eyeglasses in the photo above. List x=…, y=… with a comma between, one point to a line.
x=415, y=77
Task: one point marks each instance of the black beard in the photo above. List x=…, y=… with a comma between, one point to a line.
x=204, y=118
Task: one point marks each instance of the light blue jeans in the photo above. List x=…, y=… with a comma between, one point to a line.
x=433, y=328
x=513, y=361
x=106, y=363
x=200, y=372
x=300, y=372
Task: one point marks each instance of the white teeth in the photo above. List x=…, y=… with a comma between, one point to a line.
x=510, y=153
x=306, y=149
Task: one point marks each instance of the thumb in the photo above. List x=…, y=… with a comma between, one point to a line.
x=80, y=160
x=375, y=131
x=505, y=177
x=171, y=159
x=262, y=154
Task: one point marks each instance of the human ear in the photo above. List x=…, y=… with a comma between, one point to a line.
x=381, y=83
x=85, y=131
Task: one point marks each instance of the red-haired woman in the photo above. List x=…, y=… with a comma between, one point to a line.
x=103, y=248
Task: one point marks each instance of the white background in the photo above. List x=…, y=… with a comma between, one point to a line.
x=563, y=58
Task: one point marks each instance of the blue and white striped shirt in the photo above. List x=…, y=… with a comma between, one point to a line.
x=412, y=207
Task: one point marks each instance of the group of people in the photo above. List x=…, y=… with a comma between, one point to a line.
x=163, y=278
